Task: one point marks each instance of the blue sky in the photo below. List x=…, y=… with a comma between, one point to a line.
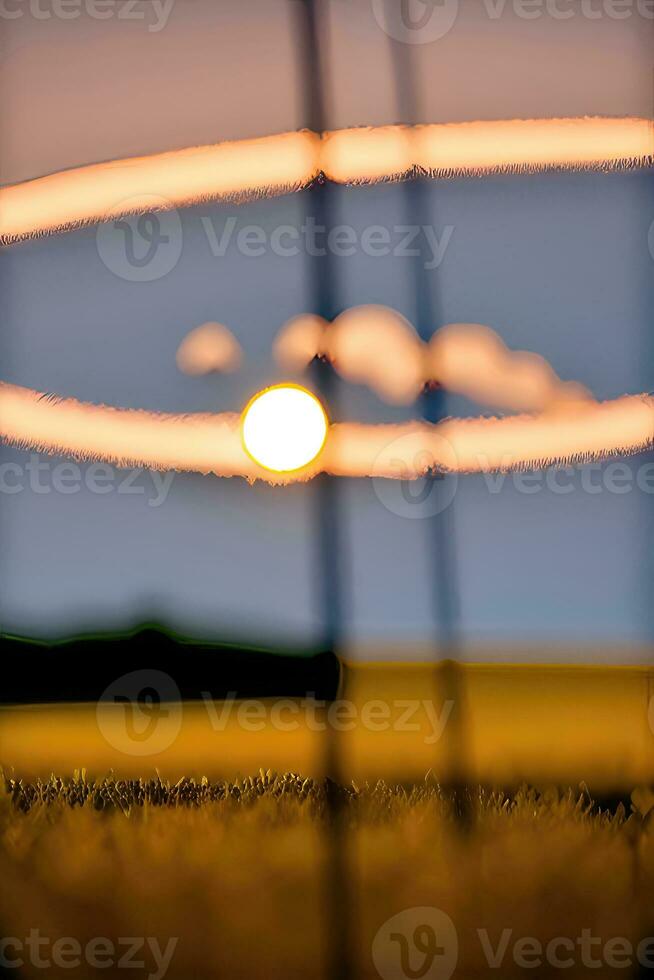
x=558, y=264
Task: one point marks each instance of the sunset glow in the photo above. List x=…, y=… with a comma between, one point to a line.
x=213, y=443
x=290, y=161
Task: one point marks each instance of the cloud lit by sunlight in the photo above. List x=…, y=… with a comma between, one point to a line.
x=278, y=164
x=211, y=443
x=209, y=347
x=376, y=346
x=370, y=345
x=101, y=192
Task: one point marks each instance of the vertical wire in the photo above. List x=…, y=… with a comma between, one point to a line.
x=643, y=914
x=322, y=288
x=428, y=314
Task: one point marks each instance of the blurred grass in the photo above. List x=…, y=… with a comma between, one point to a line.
x=235, y=869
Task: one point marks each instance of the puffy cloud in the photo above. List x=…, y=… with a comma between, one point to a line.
x=209, y=347
x=376, y=346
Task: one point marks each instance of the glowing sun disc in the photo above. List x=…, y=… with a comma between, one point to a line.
x=284, y=428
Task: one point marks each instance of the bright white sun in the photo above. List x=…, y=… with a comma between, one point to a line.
x=284, y=427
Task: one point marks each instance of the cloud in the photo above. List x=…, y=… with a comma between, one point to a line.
x=376, y=346
x=211, y=443
x=472, y=360
x=209, y=347
x=369, y=345
x=245, y=169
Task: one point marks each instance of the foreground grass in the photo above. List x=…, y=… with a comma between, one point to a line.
x=237, y=871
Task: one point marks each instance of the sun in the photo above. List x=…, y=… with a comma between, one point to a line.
x=284, y=427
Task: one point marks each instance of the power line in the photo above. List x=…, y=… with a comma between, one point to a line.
x=322, y=286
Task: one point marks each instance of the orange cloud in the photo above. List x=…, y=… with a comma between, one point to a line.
x=376, y=346
x=290, y=161
x=369, y=345
x=208, y=443
x=209, y=347
x=472, y=360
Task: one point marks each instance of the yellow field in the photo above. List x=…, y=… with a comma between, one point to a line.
x=497, y=725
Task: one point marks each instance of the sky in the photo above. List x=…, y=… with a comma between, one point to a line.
x=559, y=264
x=164, y=74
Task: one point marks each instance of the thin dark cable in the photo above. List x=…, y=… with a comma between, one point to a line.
x=641, y=970
x=321, y=279
x=428, y=315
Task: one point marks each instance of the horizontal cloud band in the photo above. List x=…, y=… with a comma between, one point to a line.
x=278, y=164
x=211, y=443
